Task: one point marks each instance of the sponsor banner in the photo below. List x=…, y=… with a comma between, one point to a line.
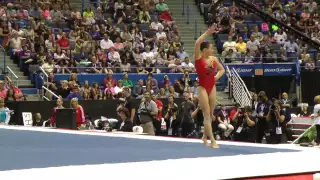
x=274, y=69
x=243, y=69
x=278, y=69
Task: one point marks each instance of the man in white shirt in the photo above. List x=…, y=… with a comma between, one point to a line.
x=156, y=24
x=106, y=43
x=187, y=65
x=49, y=66
x=230, y=44
x=253, y=45
x=161, y=35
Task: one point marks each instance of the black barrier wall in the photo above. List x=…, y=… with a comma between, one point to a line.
x=310, y=86
x=272, y=85
x=94, y=108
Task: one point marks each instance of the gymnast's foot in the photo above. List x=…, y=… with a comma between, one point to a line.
x=214, y=144
x=205, y=141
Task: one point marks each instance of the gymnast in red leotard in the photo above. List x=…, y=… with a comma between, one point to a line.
x=209, y=70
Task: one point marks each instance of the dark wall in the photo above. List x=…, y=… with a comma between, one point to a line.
x=310, y=86
x=272, y=85
x=94, y=108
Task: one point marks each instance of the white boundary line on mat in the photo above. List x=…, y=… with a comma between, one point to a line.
x=133, y=136
x=213, y=168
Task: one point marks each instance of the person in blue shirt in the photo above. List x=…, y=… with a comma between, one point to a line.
x=74, y=94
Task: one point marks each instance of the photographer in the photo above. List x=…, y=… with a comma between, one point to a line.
x=147, y=112
x=245, y=128
x=276, y=131
x=171, y=117
x=261, y=113
x=187, y=123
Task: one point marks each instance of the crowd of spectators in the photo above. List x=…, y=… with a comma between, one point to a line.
x=123, y=36
x=113, y=88
x=250, y=40
x=9, y=92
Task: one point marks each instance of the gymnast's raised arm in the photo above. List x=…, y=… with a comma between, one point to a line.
x=197, y=49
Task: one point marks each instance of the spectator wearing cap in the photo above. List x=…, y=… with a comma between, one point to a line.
x=3, y=91
x=74, y=94
x=125, y=124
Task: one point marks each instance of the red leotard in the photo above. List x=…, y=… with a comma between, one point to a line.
x=205, y=74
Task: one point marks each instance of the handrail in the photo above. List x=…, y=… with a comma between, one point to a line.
x=45, y=81
x=12, y=72
x=4, y=59
x=48, y=90
x=189, y=10
x=15, y=76
x=245, y=87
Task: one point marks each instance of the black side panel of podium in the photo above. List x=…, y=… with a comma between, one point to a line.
x=66, y=119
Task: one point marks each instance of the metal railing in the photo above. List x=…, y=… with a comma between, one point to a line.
x=12, y=76
x=238, y=88
x=45, y=78
x=4, y=59
x=48, y=91
x=187, y=13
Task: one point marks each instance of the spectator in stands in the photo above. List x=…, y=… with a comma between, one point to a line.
x=3, y=91
x=106, y=43
x=285, y=102
x=17, y=92
x=253, y=45
x=153, y=82
x=96, y=93
x=245, y=129
x=241, y=47
x=64, y=90
x=48, y=67
x=74, y=93
x=161, y=6
x=230, y=44
x=162, y=94
x=304, y=111
x=316, y=115
x=126, y=81
x=291, y=48
x=280, y=37
x=138, y=89
x=224, y=121
x=187, y=66
x=15, y=43
x=10, y=96
x=80, y=115
x=147, y=111
x=256, y=34
x=110, y=79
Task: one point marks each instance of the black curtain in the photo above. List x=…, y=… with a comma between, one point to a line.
x=310, y=86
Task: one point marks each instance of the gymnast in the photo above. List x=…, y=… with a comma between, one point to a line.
x=206, y=66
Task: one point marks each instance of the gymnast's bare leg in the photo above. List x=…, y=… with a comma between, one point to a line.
x=204, y=103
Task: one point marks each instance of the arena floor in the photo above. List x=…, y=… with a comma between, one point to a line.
x=38, y=153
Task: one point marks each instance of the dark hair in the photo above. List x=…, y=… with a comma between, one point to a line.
x=125, y=111
x=204, y=45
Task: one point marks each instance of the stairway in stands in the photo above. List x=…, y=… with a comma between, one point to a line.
x=24, y=83
x=187, y=30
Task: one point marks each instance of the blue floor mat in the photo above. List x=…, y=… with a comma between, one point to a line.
x=31, y=149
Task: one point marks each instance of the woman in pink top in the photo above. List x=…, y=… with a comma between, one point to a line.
x=118, y=45
x=109, y=88
x=45, y=13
